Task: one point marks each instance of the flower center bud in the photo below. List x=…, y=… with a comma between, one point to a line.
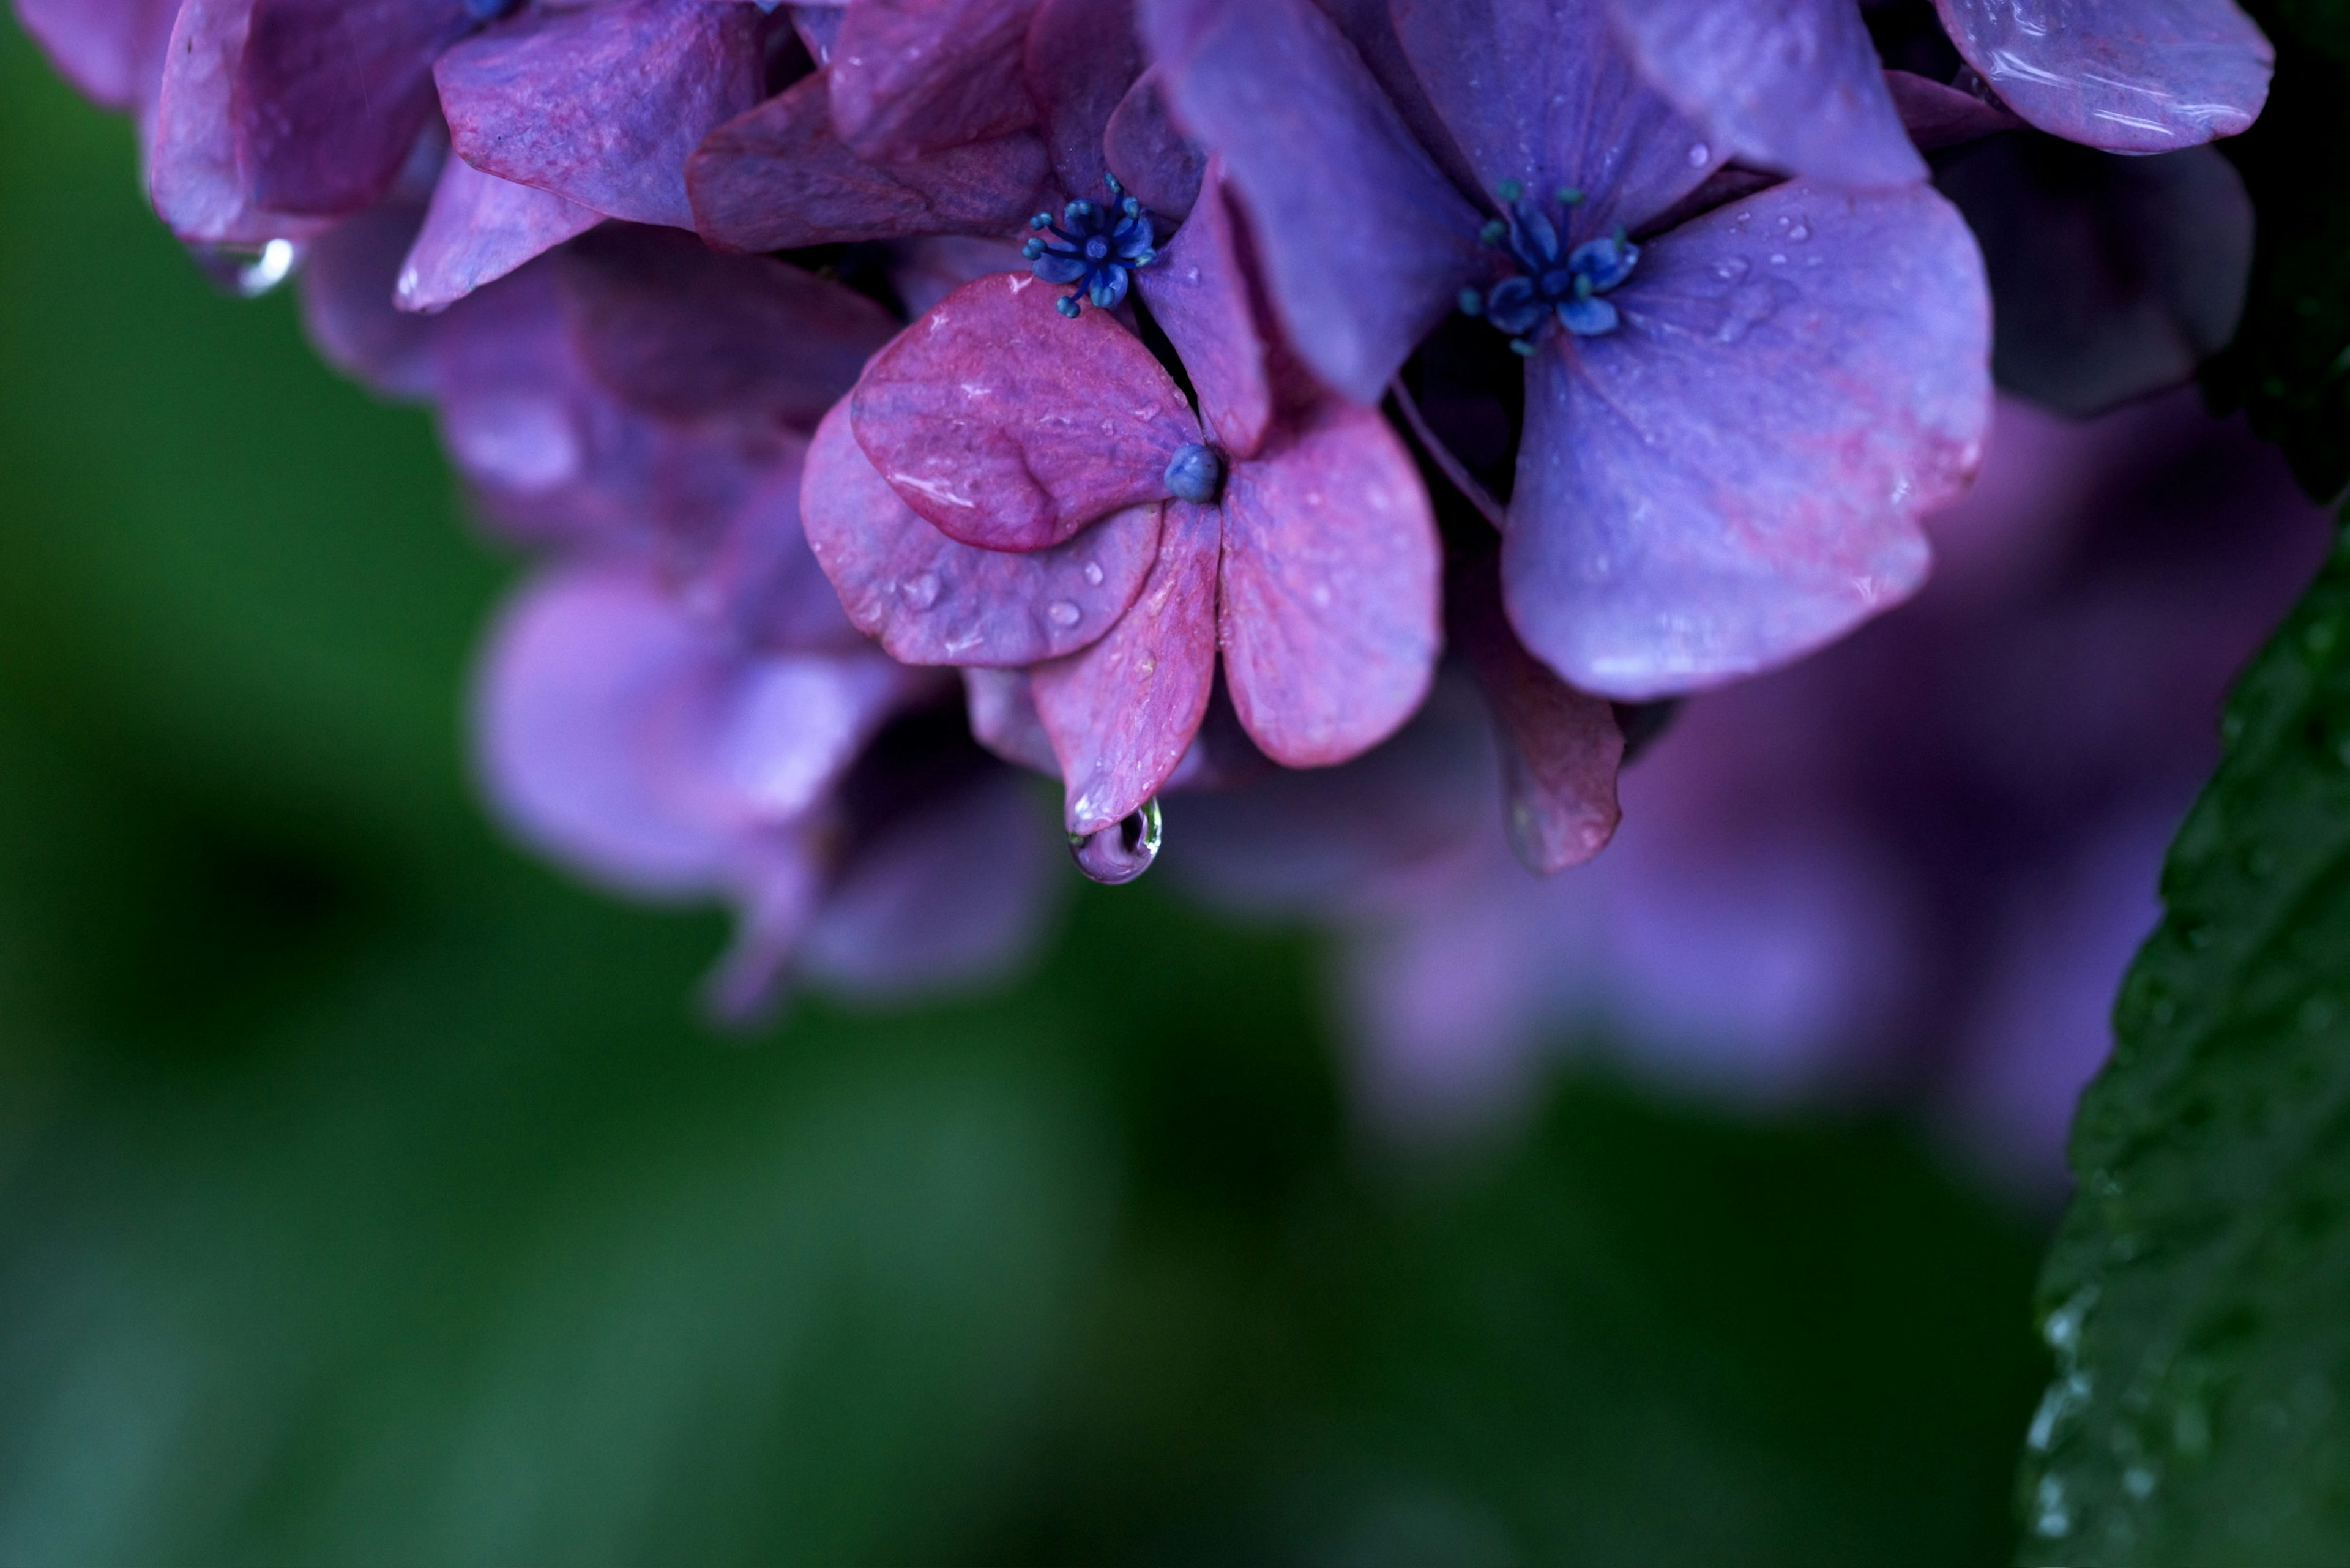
x=1196, y=473
x=491, y=10
x=1547, y=281
x=1099, y=249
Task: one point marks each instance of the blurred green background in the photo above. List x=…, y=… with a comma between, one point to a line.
x=367, y=1193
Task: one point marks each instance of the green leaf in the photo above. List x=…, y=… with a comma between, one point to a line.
x=2201, y=1412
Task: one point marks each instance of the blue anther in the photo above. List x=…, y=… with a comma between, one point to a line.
x=1196, y=473
x=1097, y=249
x=490, y=10
x=1547, y=281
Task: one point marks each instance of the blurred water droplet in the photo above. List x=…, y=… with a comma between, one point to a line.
x=1698, y=154
x=1801, y=232
x=2139, y=1481
x=1064, y=614
x=1120, y=854
x=1093, y=573
x=921, y=590
x=1730, y=269
x=2052, y=1516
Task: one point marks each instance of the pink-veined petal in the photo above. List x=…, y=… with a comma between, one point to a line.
x=915, y=76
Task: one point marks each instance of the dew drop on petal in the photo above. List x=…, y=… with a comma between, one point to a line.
x=1063, y=613
x=1698, y=153
x=1120, y=853
x=1093, y=573
x=921, y=590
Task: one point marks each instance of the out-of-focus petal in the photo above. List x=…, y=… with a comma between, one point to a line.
x=1560, y=749
x=1011, y=427
x=789, y=726
x=684, y=333
x=779, y=177
x=1082, y=56
x=1001, y=706
x=111, y=50
x=1328, y=604
x=1122, y=713
x=913, y=77
x=2129, y=76
x=924, y=270
x=1734, y=476
x=1541, y=92
x=331, y=94
x=1794, y=85
x=819, y=27
x=603, y=105
x=1370, y=26
x=1152, y=158
x=763, y=584
x=2110, y=278
x=1200, y=297
x=931, y=600
x=1936, y=116
x=192, y=169
x=346, y=285
x=479, y=229
x=1364, y=243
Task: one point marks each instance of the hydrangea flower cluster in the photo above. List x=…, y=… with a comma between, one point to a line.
x=1580, y=354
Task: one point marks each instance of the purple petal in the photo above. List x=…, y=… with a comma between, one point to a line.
x=331, y=94
x=1122, y=713
x=1151, y=157
x=192, y=169
x=2129, y=76
x=1001, y=706
x=479, y=229
x=1364, y=243
x=1560, y=749
x=346, y=285
x=684, y=333
x=2110, y=278
x=603, y=105
x=1082, y=56
x=1010, y=427
x=1370, y=26
x=779, y=177
x=1540, y=91
x=1329, y=588
x=1936, y=116
x=931, y=600
x=1794, y=85
x=764, y=584
x=110, y=50
x=1735, y=475
x=819, y=27
x=915, y=77
x=1199, y=297
x=927, y=269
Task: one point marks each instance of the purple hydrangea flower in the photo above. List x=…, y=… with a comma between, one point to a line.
x=1728, y=445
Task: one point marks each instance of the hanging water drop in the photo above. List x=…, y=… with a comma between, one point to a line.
x=1120, y=853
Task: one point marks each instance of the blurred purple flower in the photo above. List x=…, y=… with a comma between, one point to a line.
x=1736, y=409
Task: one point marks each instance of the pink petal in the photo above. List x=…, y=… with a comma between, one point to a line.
x=1010, y=427
x=1735, y=475
x=2129, y=76
x=346, y=284
x=479, y=229
x=1560, y=749
x=1541, y=92
x=192, y=169
x=1364, y=243
x=1793, y=85
x=603, y=105
x=779, y=177
x=331, y=94
x=1199, y=297
x=1936, y=116
x=1082, y=56
x=915, y=77
x=931, y=600
x=110, y=50
x=1152, y=158
x=1330, y=589
x=1122, y=713
x=683, y=333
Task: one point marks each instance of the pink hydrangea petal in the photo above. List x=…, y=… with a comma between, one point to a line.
x=192, y=170
x=2129, y=76
x=1936, y=116
x=1082, y=56
x=1010, y=427
x=1152, y=158
x=1364, y=243
x=1540, y=91
x=915, y=77
x=779, y=177
x=1001, y=708
x=931, y=600
x=1734, y=476
x=1199, y=295
x=479, y=229
x=604, y=104
x=331, y=94
x=1793, y=85
x=1122, y=713
x=1560, y=749
x=682, y=332
x=1331, y=577
x=111, y=50
x=346, y=285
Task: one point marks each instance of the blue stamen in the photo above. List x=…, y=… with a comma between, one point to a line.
x=1096, y=249
x=1546, y=281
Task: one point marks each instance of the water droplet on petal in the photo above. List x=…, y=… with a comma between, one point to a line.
x=1730, y=269
x=1698, y=154
x=1120, y=853
x=1063, y=613
x=1801, y=232
x=921, y=590
x=1093, y=573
